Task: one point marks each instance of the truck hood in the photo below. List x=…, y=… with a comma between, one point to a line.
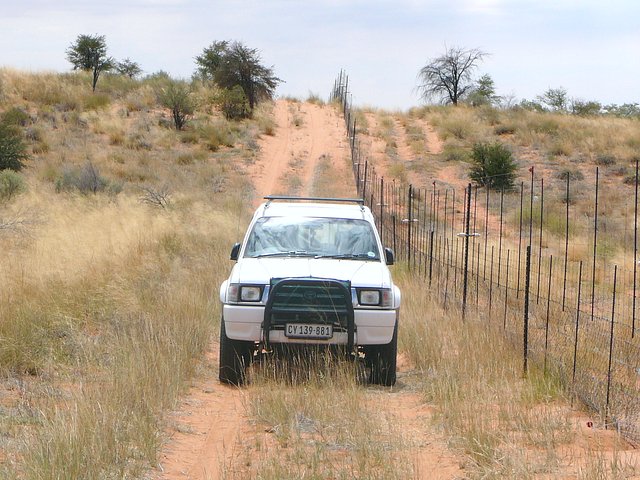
x=359, y=273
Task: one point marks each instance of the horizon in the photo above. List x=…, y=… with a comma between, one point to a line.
x=582, y=46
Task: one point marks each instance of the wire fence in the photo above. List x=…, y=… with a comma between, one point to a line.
x=494, y=252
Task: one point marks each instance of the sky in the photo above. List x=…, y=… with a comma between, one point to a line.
x=591, y=48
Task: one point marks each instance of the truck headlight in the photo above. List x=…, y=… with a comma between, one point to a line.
x=250, y=293
x=244, y=293
x=375, y=298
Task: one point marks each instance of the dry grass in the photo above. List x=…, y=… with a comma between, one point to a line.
x=107, y=304
x=323, y=424
x=505, y=425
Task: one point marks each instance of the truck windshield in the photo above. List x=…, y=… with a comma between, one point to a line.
x=313, y=237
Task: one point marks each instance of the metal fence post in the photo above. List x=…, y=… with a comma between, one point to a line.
x=613, y=314
x=527, y=284
x=466, y=253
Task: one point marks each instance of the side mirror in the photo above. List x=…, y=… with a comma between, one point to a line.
x=389, y=256
x=235, y=250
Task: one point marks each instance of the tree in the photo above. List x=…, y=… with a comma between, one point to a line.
x=176, y=96
x=483, y=92
x=129, y=68
x=89, y=53
x=449, y=76
x=585, y=108
x=555, y=98
x=12, y=148
x=493, y=166
x=229, y=64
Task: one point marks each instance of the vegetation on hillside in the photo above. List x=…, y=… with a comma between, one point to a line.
x=114, y=238
x=106, y=300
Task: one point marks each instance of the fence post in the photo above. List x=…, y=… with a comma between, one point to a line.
x=491, y=283
x=382, y=206
x=546, y=327
x=613, y=314
x=575, y=343
x=430, y=255
x=466, y=253
x=520, y=241
x=364, y=180
x=595, y=250
x=527, y=285
x=410, y=222
x=566, y=248
x=540, y=240
x=506, y=293
x=635, y=255
x=393, y=232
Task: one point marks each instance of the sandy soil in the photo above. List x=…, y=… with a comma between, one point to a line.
x=305, y=134
x=210, y=435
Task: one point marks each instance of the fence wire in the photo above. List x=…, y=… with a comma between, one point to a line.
x=472, y=246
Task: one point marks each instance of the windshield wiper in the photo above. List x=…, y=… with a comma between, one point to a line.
x=293, y=253
x=349, y=256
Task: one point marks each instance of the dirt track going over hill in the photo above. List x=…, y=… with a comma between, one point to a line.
x=212, y=435
x=208, y=431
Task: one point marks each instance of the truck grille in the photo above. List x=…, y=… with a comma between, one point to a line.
x=310, y=301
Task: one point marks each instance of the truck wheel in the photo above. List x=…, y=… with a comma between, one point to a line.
x=382, y=361
x=235, y=356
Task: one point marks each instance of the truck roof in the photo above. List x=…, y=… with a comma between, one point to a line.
x=313, y=209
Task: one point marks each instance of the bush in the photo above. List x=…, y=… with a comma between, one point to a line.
x=493, y=166
x=504, y=129
x=455, y=153
x=176, y=96
x=214, y=135
x=97, y=101
x=11, y=184
x=16, y=116
x=12, y=148
x=605, y=159
x=233, y=103
x=573, y=174
x=86, y=180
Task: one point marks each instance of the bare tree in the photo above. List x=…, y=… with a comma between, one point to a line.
x=158, y=197
x=448, y=77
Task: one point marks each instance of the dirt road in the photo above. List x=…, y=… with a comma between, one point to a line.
x=207, y=434
x=213, y=433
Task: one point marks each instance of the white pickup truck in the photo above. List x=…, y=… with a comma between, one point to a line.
x=310, y=271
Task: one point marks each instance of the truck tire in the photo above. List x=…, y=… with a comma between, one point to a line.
x=381, y=359
x=235, y=357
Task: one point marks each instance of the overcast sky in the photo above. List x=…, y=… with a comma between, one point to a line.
x=589, y=47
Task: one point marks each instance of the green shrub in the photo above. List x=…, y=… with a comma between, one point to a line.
x=176, y=96
x=215, y=135
x=455, y=153
x=493, y=166
x=11, y=184
x=12, y=148
x=16, y=116
x=233, y=103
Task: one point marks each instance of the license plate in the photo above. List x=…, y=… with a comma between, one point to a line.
x=308, y=330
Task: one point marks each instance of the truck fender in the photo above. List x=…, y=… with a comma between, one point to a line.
x=223, y=291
